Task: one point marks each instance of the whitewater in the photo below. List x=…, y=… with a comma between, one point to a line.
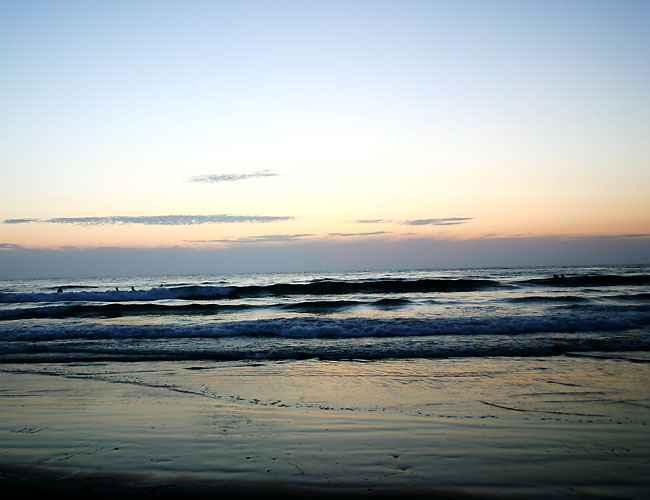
x=371, y=315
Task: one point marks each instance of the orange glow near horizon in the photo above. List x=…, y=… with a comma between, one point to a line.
x=543, y=223
x=318, y=125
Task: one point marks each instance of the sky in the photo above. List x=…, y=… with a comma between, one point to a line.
x=305, y=135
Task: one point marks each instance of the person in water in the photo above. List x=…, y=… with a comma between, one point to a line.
x=117, y=289
x=133, y=289
x=60, y=290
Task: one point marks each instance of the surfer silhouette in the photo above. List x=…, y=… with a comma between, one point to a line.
x=60, y=290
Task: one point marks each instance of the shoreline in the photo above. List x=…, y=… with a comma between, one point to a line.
x=51, y=483
x=495, y=427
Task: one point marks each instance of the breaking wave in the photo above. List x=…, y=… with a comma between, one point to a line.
x=204, y=292
x=312, y=327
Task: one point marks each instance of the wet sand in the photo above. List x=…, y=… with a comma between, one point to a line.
x=495, y=427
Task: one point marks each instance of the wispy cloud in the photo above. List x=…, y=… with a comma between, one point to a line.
x=579, y=238
x=155, y=220
x=359, y=234
x=449, y=221
x=230, y=177
x=19, y=221
x=10, y=246
x=266, y=238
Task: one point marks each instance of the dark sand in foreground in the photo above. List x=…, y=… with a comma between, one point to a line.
x=497, y=427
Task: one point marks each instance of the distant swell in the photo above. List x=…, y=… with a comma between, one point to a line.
x=184, y=291
x=370, y=287
x=595, y=280
x=321, y=305
x=199, y=292
x=632, y=296
x=563, y=299
x=116, y=310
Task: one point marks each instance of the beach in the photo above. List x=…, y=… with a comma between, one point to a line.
x=534, y=427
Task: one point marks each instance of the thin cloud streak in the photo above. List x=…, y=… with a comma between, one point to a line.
x=156, y=220
x=10, y=246
x=282, y=238
x=217, y=178
x=266, y=238
x=446, y=221
x=19, y=221
x=450, y=221
x=513, y=237
x=359, y=234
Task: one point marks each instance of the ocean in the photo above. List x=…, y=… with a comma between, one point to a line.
x=498, y=383
x=333, y=316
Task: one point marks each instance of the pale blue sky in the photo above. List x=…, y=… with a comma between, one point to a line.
x=527, y=118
